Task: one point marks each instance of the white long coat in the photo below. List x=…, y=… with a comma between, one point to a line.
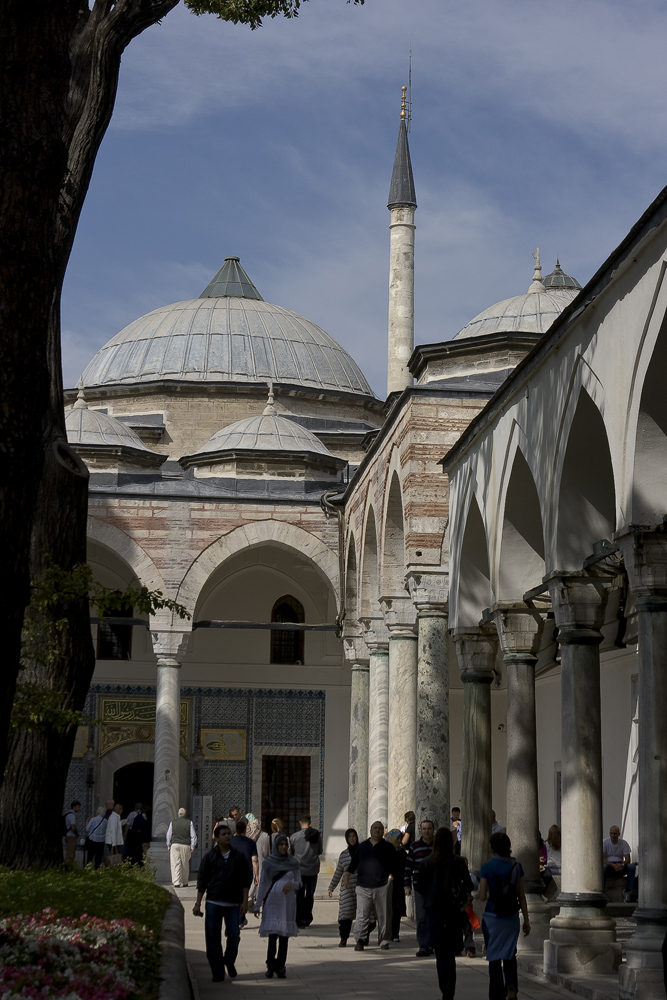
x=279, y=909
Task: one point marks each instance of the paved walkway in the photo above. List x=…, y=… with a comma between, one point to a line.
x=317, y=969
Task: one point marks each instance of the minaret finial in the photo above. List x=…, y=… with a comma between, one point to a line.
x=537, y=283
x=404, y=112
x=81, y=403
x=269, y=409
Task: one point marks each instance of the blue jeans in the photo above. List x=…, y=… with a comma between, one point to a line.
x=213, y=932
x=629, y=870
x=423, y=936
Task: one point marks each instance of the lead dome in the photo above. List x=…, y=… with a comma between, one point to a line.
x=228, y=334
x=533, y=312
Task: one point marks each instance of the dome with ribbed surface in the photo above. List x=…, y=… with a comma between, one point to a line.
x=95, y=429
x=269, y=432
x=530, y=313
x=229, y=334
x=558, y=279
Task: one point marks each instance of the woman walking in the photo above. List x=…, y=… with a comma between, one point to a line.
x=347, y=900
x=501, y=885
x=444, y=883
x=398, y=908
x=276, y=897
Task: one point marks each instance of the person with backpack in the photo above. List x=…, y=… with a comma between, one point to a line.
x=444, y=884
x=501, y=886
x=276, y=897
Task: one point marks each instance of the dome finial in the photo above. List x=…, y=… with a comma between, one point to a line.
x=270, y=410
x=404, y=112
x=81, y=403
x=537, y=283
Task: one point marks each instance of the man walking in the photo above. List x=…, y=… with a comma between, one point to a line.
x=181, y=842
x=306, y=846
x=419, y=851
x=374, y=863
x=225, y=877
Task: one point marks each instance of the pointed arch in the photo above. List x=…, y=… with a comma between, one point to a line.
x=521, y=560
x=369, y=567
x=474, y=580
x=393, y=542
x=586, y=504
x=351, y=582
x=648, y=503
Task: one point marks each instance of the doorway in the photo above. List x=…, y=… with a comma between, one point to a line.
x=285, y=790
x=134, y=783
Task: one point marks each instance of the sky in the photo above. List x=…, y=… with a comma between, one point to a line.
x=533, y=124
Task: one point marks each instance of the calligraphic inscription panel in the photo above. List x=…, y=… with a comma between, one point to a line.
x=132, y=720
x=224, y=744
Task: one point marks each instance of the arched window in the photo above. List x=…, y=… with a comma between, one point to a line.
x=287, y=646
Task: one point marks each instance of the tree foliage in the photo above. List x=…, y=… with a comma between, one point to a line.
x=249, y=11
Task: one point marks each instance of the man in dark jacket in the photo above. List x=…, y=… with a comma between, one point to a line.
x=306, y=846
x=225, y=876
x=375, y=864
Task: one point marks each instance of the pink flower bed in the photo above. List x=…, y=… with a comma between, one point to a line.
x=74, y=958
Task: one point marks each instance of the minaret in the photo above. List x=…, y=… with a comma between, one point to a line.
x=402, y=205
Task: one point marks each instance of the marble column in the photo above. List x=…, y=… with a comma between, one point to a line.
x=169, y=647
x=582, y=936
x=645, y=556
x=476, y=649
x=519, y=632
x=402, y=718
x=377, y=642
x=432, y=784
x=357, y=809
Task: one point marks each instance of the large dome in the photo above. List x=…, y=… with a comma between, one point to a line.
x=533, y=312
x=229, y=334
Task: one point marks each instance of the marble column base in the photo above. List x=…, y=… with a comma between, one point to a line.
x=158, y=856
x=581, y=939
x=642, y=974
x=539, y=914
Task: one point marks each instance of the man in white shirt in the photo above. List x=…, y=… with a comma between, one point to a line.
x=113, y=838
x=181, y=842
x=616, y=861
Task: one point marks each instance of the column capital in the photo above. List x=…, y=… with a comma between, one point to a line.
x=355, y=651
x=476, y=649
x=375, y=632
x=429, y=592
x=579, y=600
x=170, y=646
x=519, y=628
x=399, y=614
x=644, y=549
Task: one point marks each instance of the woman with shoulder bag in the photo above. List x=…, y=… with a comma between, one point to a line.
x=444, y=883
x=276, y=897
x=501, y=885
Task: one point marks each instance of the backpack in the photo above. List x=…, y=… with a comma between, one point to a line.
x=505, y=895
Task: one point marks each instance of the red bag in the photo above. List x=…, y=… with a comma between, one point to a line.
x=472, y=917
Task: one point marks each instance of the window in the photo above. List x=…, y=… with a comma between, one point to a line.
x=287, y=645
x=114, y=642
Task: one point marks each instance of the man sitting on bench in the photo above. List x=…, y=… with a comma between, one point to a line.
x=616, y=861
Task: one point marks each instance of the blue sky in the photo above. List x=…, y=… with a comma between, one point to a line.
x=533, y=124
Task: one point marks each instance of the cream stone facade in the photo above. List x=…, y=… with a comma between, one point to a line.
x=457, y=596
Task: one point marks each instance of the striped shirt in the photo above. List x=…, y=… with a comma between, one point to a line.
x=417, y=853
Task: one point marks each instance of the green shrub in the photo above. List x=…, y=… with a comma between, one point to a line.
x=122, y=892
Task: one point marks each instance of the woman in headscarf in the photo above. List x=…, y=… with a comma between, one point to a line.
x=347, y=901
x=501, y=885
x=398, y=910
x=276, y=897
x=444, y=883
x=261, y=839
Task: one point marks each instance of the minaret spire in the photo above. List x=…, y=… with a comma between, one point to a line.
x=402, y=204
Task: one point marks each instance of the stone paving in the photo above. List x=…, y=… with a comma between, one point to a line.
x=317, y=969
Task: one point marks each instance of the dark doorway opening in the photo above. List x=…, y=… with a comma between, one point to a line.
x=285, y=790
x=134, y=783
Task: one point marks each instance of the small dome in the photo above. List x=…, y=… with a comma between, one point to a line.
x=229, y=334
x=558, y=279
x=533, y=312
x=94, y=429
x=267, y=432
